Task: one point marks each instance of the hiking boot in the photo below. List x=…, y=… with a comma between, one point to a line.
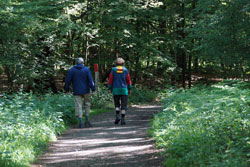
x=117, y=118
x=117, y=121
x=87, y=124
x=123, y=121
x=80, y=125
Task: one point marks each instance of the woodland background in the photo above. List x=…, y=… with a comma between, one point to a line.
x=164, y=41
x=168, y=45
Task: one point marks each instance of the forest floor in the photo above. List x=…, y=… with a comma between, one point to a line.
x=106, y=144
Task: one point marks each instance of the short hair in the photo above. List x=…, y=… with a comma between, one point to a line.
x=79, y=60
x=119, y=61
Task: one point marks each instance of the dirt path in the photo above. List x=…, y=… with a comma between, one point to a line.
x=107, y=144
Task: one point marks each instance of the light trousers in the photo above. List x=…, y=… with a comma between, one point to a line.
x=79, y=101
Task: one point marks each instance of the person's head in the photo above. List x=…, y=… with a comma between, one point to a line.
x=79, y=60
x=119, y=62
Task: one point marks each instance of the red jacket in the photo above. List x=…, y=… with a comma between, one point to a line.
x=119, y=81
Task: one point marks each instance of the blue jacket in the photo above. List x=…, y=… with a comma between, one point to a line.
x=81, y=79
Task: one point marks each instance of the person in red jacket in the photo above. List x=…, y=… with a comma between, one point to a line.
x=120, y=85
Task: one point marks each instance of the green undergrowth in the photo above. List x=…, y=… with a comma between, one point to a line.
x=142, y=96
x=138, y=95
x=102, y=99
x=205, y=126
x=28, y=122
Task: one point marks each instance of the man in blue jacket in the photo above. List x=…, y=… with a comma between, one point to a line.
x=81, y=79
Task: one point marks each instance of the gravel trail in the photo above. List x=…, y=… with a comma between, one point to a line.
x=106, y=144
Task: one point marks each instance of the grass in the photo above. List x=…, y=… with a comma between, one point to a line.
x=205, y=126
x=29, y=121
x=142, y=96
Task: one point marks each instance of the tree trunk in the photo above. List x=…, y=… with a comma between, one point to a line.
x=137, y=68
x=196, y=65
x=189, y=70
x=9, y=74
x=87, y=39
x=190, y=56
x=181, y=55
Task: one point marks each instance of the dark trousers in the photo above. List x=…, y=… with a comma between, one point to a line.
x=121, y=101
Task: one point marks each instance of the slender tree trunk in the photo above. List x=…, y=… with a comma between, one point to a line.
x=9, y=74
x=70, y=42
x=181, y=55
x=87, y=39
x=190, y=56
x=189, y=70
x=162, y=28
x=116, y=41
x=196, y=64
x=148, y=62
x=137, y=67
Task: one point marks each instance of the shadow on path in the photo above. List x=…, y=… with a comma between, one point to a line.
x=107, y=144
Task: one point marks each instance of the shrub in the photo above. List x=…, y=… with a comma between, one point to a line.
x=102, y=99
x=27, y=124
x=205, y=126
x=142, y=96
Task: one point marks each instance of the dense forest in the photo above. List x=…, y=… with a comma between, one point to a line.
x=161, y=40
x=190, y=57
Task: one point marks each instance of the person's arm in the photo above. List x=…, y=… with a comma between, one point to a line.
x=129, y=83
x=68, y=81
x=91, y=81
x=111, y=78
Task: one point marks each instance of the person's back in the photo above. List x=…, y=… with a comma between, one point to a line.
x=81, y=79
x=120, y=84
x=120, y=81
